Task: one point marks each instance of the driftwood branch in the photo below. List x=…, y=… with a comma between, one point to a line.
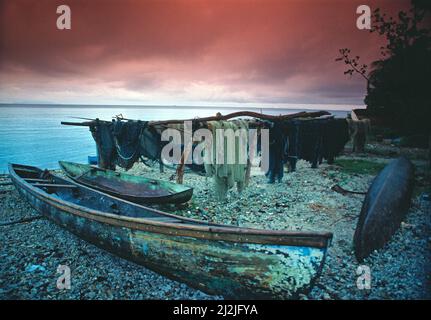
x=247, y=114
x=24, y=220
x=252, y=114
x=339, y=189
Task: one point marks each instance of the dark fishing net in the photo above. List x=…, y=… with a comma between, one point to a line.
x=335, y=137
x=126, y=137
x=102, y=135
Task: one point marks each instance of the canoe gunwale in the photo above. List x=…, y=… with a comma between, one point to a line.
x=215, y=232
x=131, y=198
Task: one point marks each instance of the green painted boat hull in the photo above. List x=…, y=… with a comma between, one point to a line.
x=133, y=188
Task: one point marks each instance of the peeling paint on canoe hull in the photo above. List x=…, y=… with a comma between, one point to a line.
x=233, y=270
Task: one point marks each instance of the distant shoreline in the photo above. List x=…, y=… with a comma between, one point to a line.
x=97, y=106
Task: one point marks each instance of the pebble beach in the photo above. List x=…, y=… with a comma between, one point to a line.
x=32, y=249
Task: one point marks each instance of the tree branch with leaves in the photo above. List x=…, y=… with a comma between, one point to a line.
x=353, y=64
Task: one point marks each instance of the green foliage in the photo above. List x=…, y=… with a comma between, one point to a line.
x=400, y=88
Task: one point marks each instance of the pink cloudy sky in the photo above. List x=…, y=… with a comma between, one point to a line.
x=190, y=52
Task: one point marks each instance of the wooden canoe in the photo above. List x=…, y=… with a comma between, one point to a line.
x=238, y=263
x=126, y=186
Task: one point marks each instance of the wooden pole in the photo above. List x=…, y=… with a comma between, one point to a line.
x=252, y=114
x=181, y=165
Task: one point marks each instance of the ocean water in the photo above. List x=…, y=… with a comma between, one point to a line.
x=34, y=135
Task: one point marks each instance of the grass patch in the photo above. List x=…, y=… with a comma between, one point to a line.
x=359, y=166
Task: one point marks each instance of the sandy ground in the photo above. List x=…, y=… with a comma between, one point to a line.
x=31, y=252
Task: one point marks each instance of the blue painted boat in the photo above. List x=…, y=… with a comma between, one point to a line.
x=237, y=263
x=92, y=160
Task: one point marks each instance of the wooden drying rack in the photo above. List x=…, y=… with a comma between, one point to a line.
x=218, y=117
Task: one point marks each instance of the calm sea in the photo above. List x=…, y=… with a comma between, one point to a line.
x=33, y=135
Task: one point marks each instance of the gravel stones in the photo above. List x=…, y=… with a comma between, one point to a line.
x=303, y=201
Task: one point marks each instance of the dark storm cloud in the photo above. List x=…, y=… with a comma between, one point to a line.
x=260, y=51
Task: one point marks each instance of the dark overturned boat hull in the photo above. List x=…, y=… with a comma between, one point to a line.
x=384, y=207
x=236, y=263
x=133, y=188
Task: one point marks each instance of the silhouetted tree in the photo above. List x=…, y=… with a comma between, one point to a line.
x=399, y=84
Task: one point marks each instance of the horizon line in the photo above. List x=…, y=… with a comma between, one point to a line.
x=291, y=106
